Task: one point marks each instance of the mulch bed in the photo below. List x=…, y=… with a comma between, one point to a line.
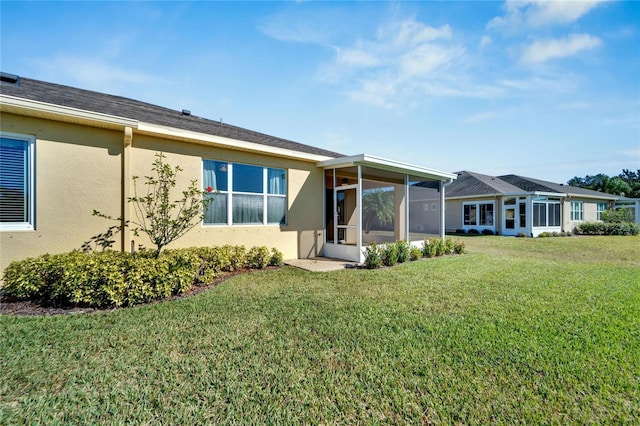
x=13, y=306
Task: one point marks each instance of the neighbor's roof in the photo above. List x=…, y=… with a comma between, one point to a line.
x=119, y=106
x=475, y=184
x=470, y=184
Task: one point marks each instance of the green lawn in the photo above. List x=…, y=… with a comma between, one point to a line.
x=539, y=331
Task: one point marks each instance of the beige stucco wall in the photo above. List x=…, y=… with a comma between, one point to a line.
x=80, y=168
x=589, y=209
x=454, y=213
x=76, y=170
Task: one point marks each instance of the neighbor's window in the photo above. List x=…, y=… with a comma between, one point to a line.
x=546, y=212
x=470, y=214
x=576, y=211
x=244, y=194
x=602, y=207
x=16, y=182
x=478, y=214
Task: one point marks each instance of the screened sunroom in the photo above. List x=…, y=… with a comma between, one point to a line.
x=370, y=199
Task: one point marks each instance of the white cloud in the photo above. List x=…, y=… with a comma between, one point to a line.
x=539, y=13
x=92, y=73
x=356, y=57
x=543, y=50
x=428, y=58
x=404, y=61
x=575, y=105
x=485, y=41
x=483, y=116
x=411, y=33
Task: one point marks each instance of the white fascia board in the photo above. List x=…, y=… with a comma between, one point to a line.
x=235, y=144
x=30, y=107
x=386, y=164
x=608, y=197
x=473, y=197
x=550, y=194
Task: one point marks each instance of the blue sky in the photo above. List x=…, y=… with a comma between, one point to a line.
x=542, y=89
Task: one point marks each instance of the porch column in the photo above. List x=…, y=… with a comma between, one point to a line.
x=400, y=209
x=359, y=212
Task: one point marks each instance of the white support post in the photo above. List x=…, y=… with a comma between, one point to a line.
x=442, y=213
x=359, y=212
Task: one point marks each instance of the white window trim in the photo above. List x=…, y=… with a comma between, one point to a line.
x=265, y=195
x=547, y=204
x=25, y=226
x=599, y=212
x=574, y=212
x=477, y=225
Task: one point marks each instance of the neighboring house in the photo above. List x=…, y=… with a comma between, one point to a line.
x=512, y=205
x=67, y=151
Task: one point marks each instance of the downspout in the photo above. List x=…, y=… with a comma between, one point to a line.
x=126, y=244
x=443, y=183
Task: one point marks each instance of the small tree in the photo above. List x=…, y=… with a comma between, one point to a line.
x=620, y=215
x=162, y=219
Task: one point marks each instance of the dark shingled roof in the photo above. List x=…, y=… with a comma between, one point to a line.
x=128, y=108
x=469, y=184
x=531, y=185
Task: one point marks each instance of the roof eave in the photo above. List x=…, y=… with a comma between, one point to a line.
x=386, y=164
x=32, y=108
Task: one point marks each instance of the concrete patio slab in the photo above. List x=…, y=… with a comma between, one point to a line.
x=321, y=264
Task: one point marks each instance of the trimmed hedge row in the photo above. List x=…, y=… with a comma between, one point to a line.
x=110, y=278
x=376, y=256
x=608, y=228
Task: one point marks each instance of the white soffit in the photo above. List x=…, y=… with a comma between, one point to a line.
x=386, y=164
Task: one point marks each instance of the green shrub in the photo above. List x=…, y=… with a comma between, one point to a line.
x=447, y=246
x=111, y=278
x=608, y=228
x=487, y=232
x=372, y=256
x=258, y=257
x=415, y=253
x=430, y=247
x=621, y=215
x=459, y=248
x=460, y=231
x=277, y=259
x=473, y=232
x=390, y=255
x=403, y=248
x=521, y=235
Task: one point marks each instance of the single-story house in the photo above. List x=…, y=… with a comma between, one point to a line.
x=66, y=151
x=512, y=205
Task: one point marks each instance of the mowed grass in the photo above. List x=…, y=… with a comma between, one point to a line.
x=541, y=331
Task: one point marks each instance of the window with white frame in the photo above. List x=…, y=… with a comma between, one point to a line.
x=480, y=214
x=16, y=182
x=244, y=194
x=602, y=207
x=546, y=212
x=577, y=214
